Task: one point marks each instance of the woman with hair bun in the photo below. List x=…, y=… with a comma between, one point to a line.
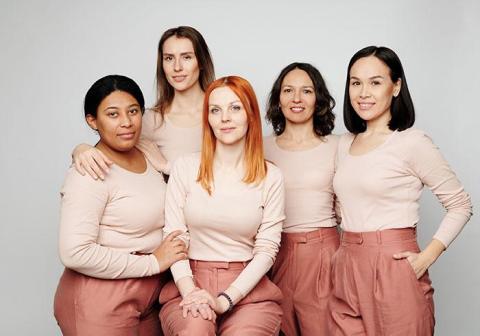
x=111, y=234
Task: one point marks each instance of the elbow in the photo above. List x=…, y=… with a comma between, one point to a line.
x=69, y=256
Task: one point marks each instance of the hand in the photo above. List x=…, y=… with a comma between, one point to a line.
x=91, y=160
x=419, y=261
x=170, y=251
x=201, y=296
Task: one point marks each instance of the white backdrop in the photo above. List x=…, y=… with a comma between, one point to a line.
x=53, y=50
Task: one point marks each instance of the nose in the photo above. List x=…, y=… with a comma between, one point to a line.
x=178, y=66
x=364, y=92
x=297, y=96
x=226, y=115
x=126, y=121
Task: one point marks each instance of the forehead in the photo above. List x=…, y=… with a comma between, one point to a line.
x=297, y=77
x=369, y=66
x=174, y=45
x=222, y=96
x=118, y=98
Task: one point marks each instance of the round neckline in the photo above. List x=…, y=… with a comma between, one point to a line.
x=132, y=172
x=383, y=144
x=171, y=123
x=296, y=151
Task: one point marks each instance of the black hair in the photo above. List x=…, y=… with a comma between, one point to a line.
x=323, y=117
x=105, y=86
x=402, y=110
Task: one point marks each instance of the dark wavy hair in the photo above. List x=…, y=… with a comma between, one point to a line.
x=402, y=110
x=105, y=86
x=323, y=117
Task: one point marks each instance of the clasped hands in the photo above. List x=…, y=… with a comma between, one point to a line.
x=200, y=302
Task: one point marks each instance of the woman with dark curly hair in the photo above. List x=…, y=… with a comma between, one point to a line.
x=300, y=111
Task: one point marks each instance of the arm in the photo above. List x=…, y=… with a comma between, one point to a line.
x=428, y=164
x=265, y=249
x=88, y=159
x=82, y=206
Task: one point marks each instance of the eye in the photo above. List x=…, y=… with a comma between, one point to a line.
x=354, y=83
x=308, y=91
x=188, y=57
x=287, y=90
x=133, y=111
x=214, y=110
x=375, y=82
x=236, y=108
x=113, y=114
x=167, y=58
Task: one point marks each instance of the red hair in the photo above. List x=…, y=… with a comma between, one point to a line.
x=256, y=168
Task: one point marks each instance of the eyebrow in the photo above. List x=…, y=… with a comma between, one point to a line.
x=374, y=77
x=116, y=108
x=303, y=86
x=233, y=102
x=181, y=54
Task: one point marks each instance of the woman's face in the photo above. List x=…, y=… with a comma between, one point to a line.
x=227, y=116
x=297, y=97
x=371, y=89
x=118, y=121
x=180, y=63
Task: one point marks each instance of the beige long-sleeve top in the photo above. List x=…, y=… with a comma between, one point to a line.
x=308, y=175
x=381, y=189
x=238, y=222
x=173, y=141
x=102, y=223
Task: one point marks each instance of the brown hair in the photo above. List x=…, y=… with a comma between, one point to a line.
x=165, y=91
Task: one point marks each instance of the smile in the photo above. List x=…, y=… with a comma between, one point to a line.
x=297, y=109
x=365, y=106
x=127, y=136
x=227, y=129
x=179, y=79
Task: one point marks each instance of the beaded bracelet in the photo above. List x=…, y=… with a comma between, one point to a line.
x=229, y=299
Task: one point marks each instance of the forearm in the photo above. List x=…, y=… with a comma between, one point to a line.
x=433, y=250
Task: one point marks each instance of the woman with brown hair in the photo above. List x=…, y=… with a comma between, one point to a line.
x=228, y=202
x=184, y=70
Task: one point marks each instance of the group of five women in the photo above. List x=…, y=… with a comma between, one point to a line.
x=248, y=225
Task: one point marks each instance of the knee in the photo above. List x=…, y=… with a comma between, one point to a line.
x=197, y=326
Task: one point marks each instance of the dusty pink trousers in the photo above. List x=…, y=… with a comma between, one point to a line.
x=374, y=294
x=86, y=306
x=258, y=313
x=302, y=272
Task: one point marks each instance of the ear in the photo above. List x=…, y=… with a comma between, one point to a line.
x=396, y=87
x=92, y=122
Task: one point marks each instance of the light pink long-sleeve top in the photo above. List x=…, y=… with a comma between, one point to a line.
x=102, y=223
x=238, y=222
x=173, y=141
x=381, y=189
x=308, y=175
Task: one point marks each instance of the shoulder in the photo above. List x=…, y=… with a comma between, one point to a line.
x=75, y=181
x=274, y=174
x=414, y=137
x=187, y=162
x=332, y=140
x=152, y=118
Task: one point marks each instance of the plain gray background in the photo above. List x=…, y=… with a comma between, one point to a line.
x=52, y=51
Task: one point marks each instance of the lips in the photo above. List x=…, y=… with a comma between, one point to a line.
x=297, y=109
x=227, y=129
x=365, y=106
x=126, y=136
x=179, y=78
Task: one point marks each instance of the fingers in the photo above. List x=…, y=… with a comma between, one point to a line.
x=172, y=235
x=79, y=168
x=94, y=162
x=403, y=255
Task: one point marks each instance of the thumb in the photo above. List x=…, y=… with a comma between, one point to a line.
x=402, y=255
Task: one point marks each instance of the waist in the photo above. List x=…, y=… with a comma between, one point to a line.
x=303, y=237
x=379, y=237
x=232, y=265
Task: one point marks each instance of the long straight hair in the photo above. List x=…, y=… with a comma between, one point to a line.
x=255, y=166
x=165, y=91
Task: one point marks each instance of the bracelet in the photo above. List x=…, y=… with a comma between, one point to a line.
x=229, y=299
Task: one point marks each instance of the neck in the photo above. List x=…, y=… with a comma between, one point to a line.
x=115, y=155
x=299, y=132
x=379, y=125
x=230, y=156
x=189, y=100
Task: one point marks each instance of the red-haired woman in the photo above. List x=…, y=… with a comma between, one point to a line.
x=184, y=70
x=229, y=202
